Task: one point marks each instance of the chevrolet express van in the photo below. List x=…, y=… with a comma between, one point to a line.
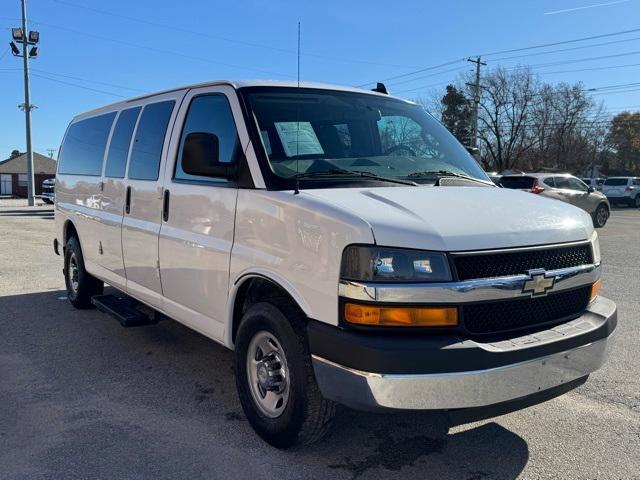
x=340, y=241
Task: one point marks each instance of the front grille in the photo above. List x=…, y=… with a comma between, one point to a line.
x=502, y=316
x=514, y=263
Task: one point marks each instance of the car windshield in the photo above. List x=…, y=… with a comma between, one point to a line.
x=320, y=134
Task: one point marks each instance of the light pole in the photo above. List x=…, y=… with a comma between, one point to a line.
x=20, y=35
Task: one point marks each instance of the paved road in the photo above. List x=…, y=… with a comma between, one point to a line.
x=81, y=397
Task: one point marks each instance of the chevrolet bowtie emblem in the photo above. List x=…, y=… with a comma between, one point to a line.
x=538, y=283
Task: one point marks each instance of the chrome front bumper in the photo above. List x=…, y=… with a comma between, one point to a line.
x=474, y=388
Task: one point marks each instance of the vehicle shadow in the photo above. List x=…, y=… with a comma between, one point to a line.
x=159, y=401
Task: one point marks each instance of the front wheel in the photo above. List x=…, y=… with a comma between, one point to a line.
x=600, y=216
x=81, y=285
x=635, y=202
x=275, y=380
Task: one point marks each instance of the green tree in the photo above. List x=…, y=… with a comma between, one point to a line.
x=456, y=114
x=625, y=139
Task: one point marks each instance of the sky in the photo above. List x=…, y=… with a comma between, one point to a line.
x=93, y=53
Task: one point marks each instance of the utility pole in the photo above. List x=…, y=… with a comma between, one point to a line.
x=22, y=35
x=476, y=101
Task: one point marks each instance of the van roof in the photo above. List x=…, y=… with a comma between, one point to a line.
x=235, y=84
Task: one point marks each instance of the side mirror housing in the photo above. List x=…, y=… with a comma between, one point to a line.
x=590, y=189
x=201, y=156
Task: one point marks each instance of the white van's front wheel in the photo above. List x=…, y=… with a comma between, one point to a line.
x=275, y=379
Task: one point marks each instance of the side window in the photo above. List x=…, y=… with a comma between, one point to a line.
x=120, y=141
x=636, y=181
x=562, y=182
x=210, y=114
x=147, y=146
x=83, y=148
x=549, y=182
x=575, y=184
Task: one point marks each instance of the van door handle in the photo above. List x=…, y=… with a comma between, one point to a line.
x=127, y=200
x=165, y=206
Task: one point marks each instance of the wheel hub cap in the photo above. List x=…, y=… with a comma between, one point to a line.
x=268, y=374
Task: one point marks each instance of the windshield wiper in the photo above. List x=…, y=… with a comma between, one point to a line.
x=336, y=172
x=445, y=173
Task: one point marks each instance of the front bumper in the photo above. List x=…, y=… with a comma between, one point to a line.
x=436, y=372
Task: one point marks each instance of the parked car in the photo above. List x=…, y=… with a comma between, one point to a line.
x=342, y=242
x=623, y=190
x=48, y=190
x=594, y=182
x=563, y=187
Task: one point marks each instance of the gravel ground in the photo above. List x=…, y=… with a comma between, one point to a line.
x=81, y=397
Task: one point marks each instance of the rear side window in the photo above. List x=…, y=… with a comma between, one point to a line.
x=549, y=182
x=147, y=147
x=84, y=145
x=523, y=183
x=615, y=182
x=120, y=141
x=562, y=182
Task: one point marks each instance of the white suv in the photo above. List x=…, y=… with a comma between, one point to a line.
x=623, y=190
x=341, y=241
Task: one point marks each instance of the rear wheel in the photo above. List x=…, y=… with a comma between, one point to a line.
x=275, y=380
x=81, y=285
x=635, y=202
x=600, y=216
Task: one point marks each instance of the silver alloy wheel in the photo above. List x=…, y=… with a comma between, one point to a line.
x=268, y=374
x=602, y=215
x=73, y=273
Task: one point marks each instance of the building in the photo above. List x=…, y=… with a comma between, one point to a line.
x=13, y=174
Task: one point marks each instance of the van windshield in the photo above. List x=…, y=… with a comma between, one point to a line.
x=321, y=134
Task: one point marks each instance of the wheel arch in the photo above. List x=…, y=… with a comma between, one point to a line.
x=250, y=288
x=69, y=229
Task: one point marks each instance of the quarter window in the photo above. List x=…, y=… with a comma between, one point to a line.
x=147, y=147
x=84, y=144
x=120, y=141
x=210, y=114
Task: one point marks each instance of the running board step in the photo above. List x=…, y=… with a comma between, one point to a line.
x=123, y=309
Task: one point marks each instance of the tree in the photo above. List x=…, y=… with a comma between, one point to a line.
x=456, y=114
x=506, y=102
x=625, y=140
x=14, y=153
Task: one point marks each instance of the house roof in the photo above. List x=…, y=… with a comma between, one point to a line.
x=18, y=164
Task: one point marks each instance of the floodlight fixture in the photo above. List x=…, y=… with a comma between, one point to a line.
x=16, y=34
x=14, y=48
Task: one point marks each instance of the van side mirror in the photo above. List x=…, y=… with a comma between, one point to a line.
x=200, y=156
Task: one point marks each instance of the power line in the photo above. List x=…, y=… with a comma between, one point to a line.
x=457, y=69
x=72, y=77
x=564, y=42
x=593, y=69
x=225, y=39
x=56, y=80
x=565, y=49
x=426, y=69
x=157, y=50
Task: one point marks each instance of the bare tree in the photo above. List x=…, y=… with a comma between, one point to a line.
x=506, y=103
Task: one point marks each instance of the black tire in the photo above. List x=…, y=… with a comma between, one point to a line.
x=635, y=203
x=81, y=285
x=600, y=216
x=306, y=415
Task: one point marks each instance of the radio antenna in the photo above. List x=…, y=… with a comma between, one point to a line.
x=297, y=189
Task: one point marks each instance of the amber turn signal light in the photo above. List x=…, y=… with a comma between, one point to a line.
x=401, y=316
x=595, y=289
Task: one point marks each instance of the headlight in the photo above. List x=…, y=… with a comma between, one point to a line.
x=595, y=248
x=383, y=264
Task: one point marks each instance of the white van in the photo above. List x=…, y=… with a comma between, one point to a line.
x=341, y=241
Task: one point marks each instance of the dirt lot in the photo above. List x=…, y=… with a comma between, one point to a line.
x=82, y=397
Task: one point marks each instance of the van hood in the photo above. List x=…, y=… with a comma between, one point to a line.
x=460, y=218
